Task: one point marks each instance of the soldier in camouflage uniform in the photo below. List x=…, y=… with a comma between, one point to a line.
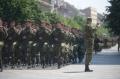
x=56, y=38
x=42, y=36
x=3, y=35
x=17, y=45
x=89, y=43
x=75, y=48
x=75, y=37
x=33, y=48
x=81, y=48
x=8, y=48
x=65, y=49
x=70, y=41
x=25, y=39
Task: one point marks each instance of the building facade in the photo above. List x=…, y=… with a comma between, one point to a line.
x=50, y=5
x=68, y=10
x=45, y=5
x=91, y=12
x=59, y=6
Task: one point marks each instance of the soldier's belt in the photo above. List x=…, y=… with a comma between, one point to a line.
x=1, y=43
x=30, y=42
x=14, y=43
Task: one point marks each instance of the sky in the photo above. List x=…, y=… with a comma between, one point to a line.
x=100, y=5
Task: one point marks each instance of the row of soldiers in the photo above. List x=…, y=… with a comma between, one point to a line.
x=42, y=44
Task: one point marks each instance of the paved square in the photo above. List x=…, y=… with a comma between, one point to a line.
x=106, y=65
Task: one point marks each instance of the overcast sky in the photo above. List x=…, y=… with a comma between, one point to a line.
x=100, y=5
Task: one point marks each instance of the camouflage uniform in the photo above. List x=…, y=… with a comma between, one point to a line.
x=17, y=47
x=8, y=46
x=25, y=39
x=89, y=43
x=56, y=39
x=81, y=49
x=71, y=42
x=75, y=48
x=42, y=36
x=34, y=52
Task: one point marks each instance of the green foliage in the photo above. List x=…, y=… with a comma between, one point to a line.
x=80, y=20
x=17, y=9
x=103, y=31
x=70, y=22
x=53, y=18
x=113, y=18
x=21, y=10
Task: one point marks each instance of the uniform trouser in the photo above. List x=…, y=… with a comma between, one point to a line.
x=57, y=51
x=89, y=50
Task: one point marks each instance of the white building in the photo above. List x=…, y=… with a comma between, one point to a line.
x=59, y=6
x=91, y=12
x=45, y=5
x=51, y=5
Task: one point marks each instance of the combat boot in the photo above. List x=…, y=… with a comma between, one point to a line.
x=87, y=69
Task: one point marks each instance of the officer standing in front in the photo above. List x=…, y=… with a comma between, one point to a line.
x=89, y=43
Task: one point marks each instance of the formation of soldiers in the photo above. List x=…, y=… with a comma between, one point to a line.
x=29, y=44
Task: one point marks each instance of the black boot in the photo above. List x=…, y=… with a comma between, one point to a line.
x=87, y=69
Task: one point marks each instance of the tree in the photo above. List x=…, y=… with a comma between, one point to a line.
x=113, y=16
x=53, y=18
x=20, y=10
x=103, y=31
x=17, y=9
x=80, y=20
